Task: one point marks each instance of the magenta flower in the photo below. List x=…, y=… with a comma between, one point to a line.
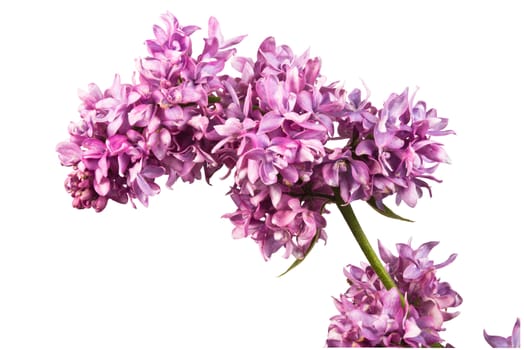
x=398, y=147
x=370, y=315
x=512, y=341
x=291, y=224
x=350, y=175
x=276, y=133
x=291, y=141
x=132, y=134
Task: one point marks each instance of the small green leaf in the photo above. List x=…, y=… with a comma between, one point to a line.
x=386, y=211
x=293, y=265
x=298, y=261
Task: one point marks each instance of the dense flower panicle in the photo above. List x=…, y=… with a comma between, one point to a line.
x=290, y=139
x=513, y=341
x=370, y=315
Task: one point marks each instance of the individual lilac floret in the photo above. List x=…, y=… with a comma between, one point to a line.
x=371, y=316
x=512, y=341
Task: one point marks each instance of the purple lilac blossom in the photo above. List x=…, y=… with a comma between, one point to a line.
x=371, y=316
x=277, y=136
x=388, y=151
x=132, y=134
x=513, y=341
x=282, y=127
x=292, y=141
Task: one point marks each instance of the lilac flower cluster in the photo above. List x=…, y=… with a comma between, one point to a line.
x=131, y=134
x=371, y=316
x=293, y=141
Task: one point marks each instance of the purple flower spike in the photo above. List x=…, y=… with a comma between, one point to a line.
x=512, y=341
x=292, y=142
x=371, y=316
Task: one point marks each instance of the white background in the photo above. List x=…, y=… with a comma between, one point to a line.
x=170, y=276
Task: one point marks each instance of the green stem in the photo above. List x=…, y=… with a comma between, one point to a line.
x=374, y=261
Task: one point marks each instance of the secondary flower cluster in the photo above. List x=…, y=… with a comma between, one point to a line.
x=131, y=134
x=371, y=316
x=293, y=141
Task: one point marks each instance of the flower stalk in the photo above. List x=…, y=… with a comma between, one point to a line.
x=365, y=246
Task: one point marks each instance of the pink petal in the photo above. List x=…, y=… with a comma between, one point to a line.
x=271, y=121
x=160, y=142
x=140, y=115
x=283, y=218
x=69, y=153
